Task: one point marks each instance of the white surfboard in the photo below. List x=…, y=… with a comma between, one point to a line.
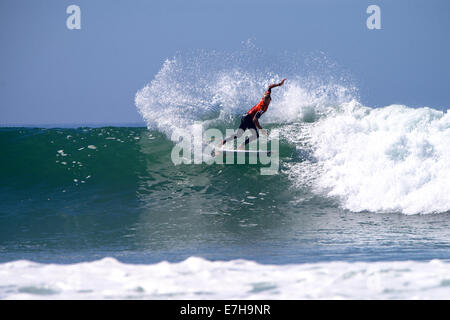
x=223, y=151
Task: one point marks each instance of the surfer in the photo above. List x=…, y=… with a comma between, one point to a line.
x=250, y=120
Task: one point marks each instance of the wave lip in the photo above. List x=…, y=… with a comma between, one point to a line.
x=210, y=87
x=196, y=278
x=391, y=159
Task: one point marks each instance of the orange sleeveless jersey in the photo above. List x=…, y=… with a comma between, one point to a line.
x=260, y=106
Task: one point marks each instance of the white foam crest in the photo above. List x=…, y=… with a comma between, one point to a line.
x=391, y=159
x=196, y=278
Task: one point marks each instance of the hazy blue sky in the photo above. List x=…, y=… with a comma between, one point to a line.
x=49, y=74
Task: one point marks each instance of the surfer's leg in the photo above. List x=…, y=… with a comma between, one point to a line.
x=254, y=136
x=238, y=134
x=242, y=127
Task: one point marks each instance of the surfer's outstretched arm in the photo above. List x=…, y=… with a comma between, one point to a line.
x=277, y=84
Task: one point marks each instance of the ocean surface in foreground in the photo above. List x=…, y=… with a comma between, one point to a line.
x=196, y=278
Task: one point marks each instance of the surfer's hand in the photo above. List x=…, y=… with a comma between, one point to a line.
x=282, y=81
x=263, y=132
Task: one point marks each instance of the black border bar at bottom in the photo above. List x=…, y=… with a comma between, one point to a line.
x=221, y=309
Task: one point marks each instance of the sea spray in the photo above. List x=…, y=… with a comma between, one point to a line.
x=388, y=159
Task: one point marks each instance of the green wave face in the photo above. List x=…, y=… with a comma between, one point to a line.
x=97, y=187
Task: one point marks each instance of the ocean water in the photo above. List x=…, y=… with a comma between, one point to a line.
x=359, y=208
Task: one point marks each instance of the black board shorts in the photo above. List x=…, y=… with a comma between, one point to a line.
x=247, y=123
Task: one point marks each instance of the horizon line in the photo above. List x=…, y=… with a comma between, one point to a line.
x=72, y=125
